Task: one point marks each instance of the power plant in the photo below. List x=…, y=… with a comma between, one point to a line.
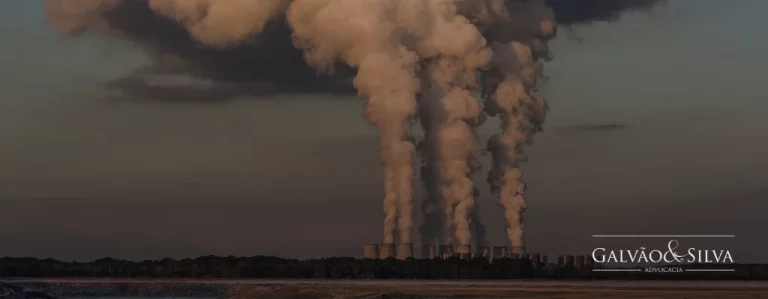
x=464, y=252
x=429, y=251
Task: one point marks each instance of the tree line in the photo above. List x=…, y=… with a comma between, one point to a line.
x=231, y=267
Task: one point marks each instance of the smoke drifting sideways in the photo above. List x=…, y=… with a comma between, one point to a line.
x=411, y=60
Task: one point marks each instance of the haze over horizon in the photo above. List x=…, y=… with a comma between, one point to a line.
x=88, y=172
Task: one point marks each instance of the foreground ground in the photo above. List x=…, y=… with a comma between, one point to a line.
x=402, y=289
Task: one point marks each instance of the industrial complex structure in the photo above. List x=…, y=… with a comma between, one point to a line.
x=405, y=251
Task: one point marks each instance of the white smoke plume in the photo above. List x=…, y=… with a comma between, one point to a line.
x=455, y=50
x=386, y=76
x=220, y=23
x=412, y=58
x=510, y=90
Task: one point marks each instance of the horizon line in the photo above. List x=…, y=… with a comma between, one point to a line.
x=663, y=236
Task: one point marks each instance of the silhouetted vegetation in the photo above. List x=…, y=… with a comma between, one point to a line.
x=338, y=268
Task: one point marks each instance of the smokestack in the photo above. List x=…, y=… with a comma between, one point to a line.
x=428, y=251
x=465, y=251
x=404, y=251
x=446, y=251
x=499, y=252
x=387, y=251
x=371, y=251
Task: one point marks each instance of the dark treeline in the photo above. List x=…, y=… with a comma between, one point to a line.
x=338, y=268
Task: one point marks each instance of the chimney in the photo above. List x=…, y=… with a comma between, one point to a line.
x=387, y=251
x=465, y=251
x=428, y=251
x=404, y=251
x=519, y=250
x=499, y=252
x=446, y=251
x=371, y=251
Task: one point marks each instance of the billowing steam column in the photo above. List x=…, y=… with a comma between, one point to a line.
x=404, y=251
x=387, y=251
x=510, y=92
x=371, y=251
x=386, y=78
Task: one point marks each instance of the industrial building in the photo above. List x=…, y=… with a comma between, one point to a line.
x=431, y=251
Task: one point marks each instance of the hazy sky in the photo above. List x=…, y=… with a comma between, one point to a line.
x=85, y=172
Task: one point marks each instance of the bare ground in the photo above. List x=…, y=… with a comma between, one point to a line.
x=538, y=292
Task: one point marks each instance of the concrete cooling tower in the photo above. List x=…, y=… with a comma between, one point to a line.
x=404, y=251
x=371, y=251
x=387, y=251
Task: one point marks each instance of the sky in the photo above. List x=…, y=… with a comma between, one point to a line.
x=86, y=172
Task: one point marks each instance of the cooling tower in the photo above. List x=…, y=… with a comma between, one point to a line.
x=387, y=251
x=404, y=251
x=499, y=252
x=465, y=251
x=446, y=251
x=371, y=251
x=519, y=250
x=428, y=251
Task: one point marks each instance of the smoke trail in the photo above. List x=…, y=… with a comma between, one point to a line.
x=391, y=44
x=386, y=77
x=480, y=230
x=519, y=31
x=455, y=50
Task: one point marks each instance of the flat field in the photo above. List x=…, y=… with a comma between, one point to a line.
x=522, y=289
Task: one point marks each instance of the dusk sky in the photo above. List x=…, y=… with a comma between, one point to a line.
x=86, y=172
